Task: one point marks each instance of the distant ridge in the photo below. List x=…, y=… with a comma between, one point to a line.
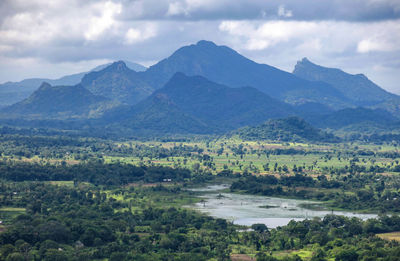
x=356, y=87
x=352, y=116
x=211, y=107
x=288, y=129
x=59, y=102
x=118, y=83
x=223, y=65
x=12, y=92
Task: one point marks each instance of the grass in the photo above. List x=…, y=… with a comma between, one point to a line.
x=390, y=236
x=7, y=214
x=156, y=199
x=305, y=254
x=62, y=183
x=318, y=155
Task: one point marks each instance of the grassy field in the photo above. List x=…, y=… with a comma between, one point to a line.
x=390, y=236
x=7, y=214
x=223, y=153
x=315, y=158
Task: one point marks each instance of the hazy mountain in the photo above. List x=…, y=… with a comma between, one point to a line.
x=158, y=114
x=117, y=82
x=288, y=129
x=12, y=92
x=225, y=66
x=204, y=106
x=59, y=102
x=131, y=65
x=351, y=116
x=312, y=109
x=356, y=87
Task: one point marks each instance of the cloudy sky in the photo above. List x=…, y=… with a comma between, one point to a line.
x=51, y=38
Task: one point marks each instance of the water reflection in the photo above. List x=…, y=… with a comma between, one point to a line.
x=250, y=209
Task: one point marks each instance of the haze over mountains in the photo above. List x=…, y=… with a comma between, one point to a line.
x=12, y=92
x=205, y=88
x=211, y=106
x=118, y=83
x=59, y=102
x=357, y=88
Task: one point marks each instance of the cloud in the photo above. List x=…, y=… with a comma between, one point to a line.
x=52, y=36
x=176, y=8
x=134, y=35
x=381, y=38
x=99, y=24
x=339, y=10
x=370, y=45
x=353, y=47
x=283, y=12
x=260, y=35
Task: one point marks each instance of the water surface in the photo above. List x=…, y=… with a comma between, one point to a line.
x=251, y=209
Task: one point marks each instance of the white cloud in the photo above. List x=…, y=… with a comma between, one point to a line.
x=257, y=44
x=261, y=35
x=135, y=35
x=99, y=24
x=176, y=8
x=369, y=45
x=273, y=32
x=283, y=12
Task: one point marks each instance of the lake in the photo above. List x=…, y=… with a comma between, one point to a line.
x=251, y=209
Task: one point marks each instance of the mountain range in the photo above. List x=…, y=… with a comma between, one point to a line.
x=225, y=66
x=210, y=107
x=12, y=92
x=118, y=83
x=355, y=87
x=59, y=102
x=206, y=88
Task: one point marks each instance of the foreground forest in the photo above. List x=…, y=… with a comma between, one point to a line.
x=79, y=198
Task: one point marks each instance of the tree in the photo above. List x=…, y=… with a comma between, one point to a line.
x=260, y=228
x=347, y=255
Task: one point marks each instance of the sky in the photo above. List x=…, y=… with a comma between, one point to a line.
x=52, y=38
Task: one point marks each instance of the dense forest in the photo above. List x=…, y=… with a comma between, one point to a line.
x=85, y=222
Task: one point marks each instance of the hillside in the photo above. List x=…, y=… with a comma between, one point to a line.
x=354, y=116
x=59, y=102
x=204, y=105
x=225, y=66
x=118, y=83
x=12, y=92
x=288, y=129
x=357, y=87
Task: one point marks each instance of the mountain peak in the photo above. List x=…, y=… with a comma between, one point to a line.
x=119, y=66
x=118, y=83
x=58, y=101
x=205, y=43
x=356, y=87
x=305, y=62
x=44, y=86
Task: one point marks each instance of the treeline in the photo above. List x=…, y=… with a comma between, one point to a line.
x=334, y=238
x=86, y=223
x=354, y=192
x=59, y=147
x=97, y=173
x=289, y=129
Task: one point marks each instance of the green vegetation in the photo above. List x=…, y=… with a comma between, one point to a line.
x=65, y=197
x=368, y=192
x=289, y=129
x=85, y=222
